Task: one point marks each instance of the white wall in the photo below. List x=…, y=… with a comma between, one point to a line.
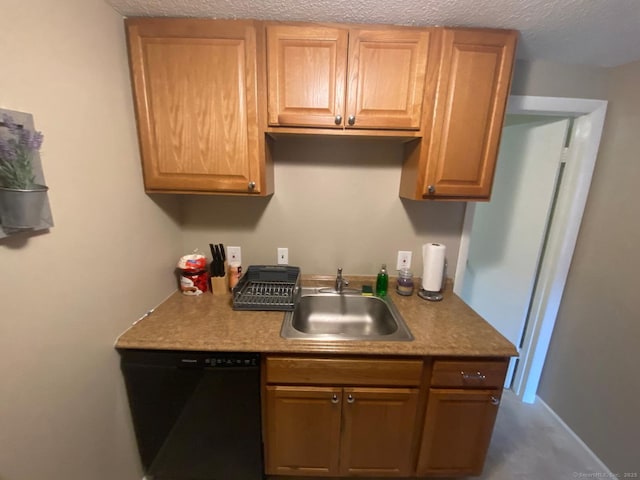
x=66, y=295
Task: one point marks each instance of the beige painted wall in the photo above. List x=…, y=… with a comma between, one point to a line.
x=336, y=204
x=67, y=294
x=549, y=79
x=329, y=208
x=591, y=374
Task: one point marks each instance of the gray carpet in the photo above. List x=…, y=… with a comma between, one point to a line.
x=530, y=444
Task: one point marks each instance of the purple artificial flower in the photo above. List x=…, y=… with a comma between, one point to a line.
x=30, y=140
x=12, y=126
x=36, y=141
x=16, y=152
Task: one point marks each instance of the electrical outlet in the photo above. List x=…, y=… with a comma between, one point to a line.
x=283, y=256
x=404, y=260
x=234, y=254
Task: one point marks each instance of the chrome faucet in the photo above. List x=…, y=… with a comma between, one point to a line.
x=340, y=281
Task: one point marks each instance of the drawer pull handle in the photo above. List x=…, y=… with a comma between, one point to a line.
x=473, y=377
x=350, y=399
x=335, y=398
x=495, y=400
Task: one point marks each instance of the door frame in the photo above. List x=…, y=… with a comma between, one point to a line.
x=588, y=122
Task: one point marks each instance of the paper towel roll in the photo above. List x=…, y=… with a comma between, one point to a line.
x=433, y=260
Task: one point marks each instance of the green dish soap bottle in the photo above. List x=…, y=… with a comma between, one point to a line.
x=382, y=282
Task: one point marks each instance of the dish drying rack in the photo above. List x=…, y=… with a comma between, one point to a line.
x=268, y=287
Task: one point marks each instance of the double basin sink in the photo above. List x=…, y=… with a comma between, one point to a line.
x=324, y=314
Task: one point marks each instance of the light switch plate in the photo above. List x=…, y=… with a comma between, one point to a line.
x=404, y=259
x=283, y=256
x=234, y=254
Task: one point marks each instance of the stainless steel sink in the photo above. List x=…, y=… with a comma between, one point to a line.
x=346, y=316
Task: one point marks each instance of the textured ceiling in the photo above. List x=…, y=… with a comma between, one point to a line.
x=591, y=32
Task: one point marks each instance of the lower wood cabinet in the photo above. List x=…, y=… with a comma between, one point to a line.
x=378, y=427
x=371, y=417
x=330, y=431
x=457, y=431
x=461, y=411
x=303, y=430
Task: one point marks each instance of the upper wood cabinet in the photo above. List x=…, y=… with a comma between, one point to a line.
x=306, y=71
x=457, y=160
x=332, y=77
x=196, y=86
x=207, y=91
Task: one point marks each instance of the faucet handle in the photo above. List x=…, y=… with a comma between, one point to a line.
x=340, y=278
x=344, y=280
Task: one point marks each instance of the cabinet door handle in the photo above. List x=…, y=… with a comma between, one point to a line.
x=338, y=119
x=473, y=377
x=352, y=119
x=335, y=398
x=252, y=185
x=431, y=189
x=495, y=400
x=350, y=399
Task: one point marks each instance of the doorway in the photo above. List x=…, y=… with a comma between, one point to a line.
x=485, y=275
x=508, y=233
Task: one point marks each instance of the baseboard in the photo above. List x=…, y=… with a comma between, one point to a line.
x=605, y=470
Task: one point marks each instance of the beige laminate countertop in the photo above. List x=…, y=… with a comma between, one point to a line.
x=208, y=323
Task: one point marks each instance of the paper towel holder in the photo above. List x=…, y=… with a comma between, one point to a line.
x=435, y=296
x=431, y=296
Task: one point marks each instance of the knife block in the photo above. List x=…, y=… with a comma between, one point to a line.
x=220, y=285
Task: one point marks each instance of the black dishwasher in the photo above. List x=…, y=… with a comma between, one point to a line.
x=196, y=415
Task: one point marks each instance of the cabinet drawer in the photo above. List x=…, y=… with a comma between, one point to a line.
x=469, y=373
x=342, y=371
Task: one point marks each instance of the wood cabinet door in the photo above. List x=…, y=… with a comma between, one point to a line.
x=474, y=79
x=302, y=434
x=386, y=78
x=306, y=73
x=195, y=90
x=378, y=427
x=457, y=431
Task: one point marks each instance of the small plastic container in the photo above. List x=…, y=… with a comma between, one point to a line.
x=405, y=285
x=235, y=272
x=194, y=278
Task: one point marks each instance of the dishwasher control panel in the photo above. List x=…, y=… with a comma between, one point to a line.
x=233, y=361
x=219, y=360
